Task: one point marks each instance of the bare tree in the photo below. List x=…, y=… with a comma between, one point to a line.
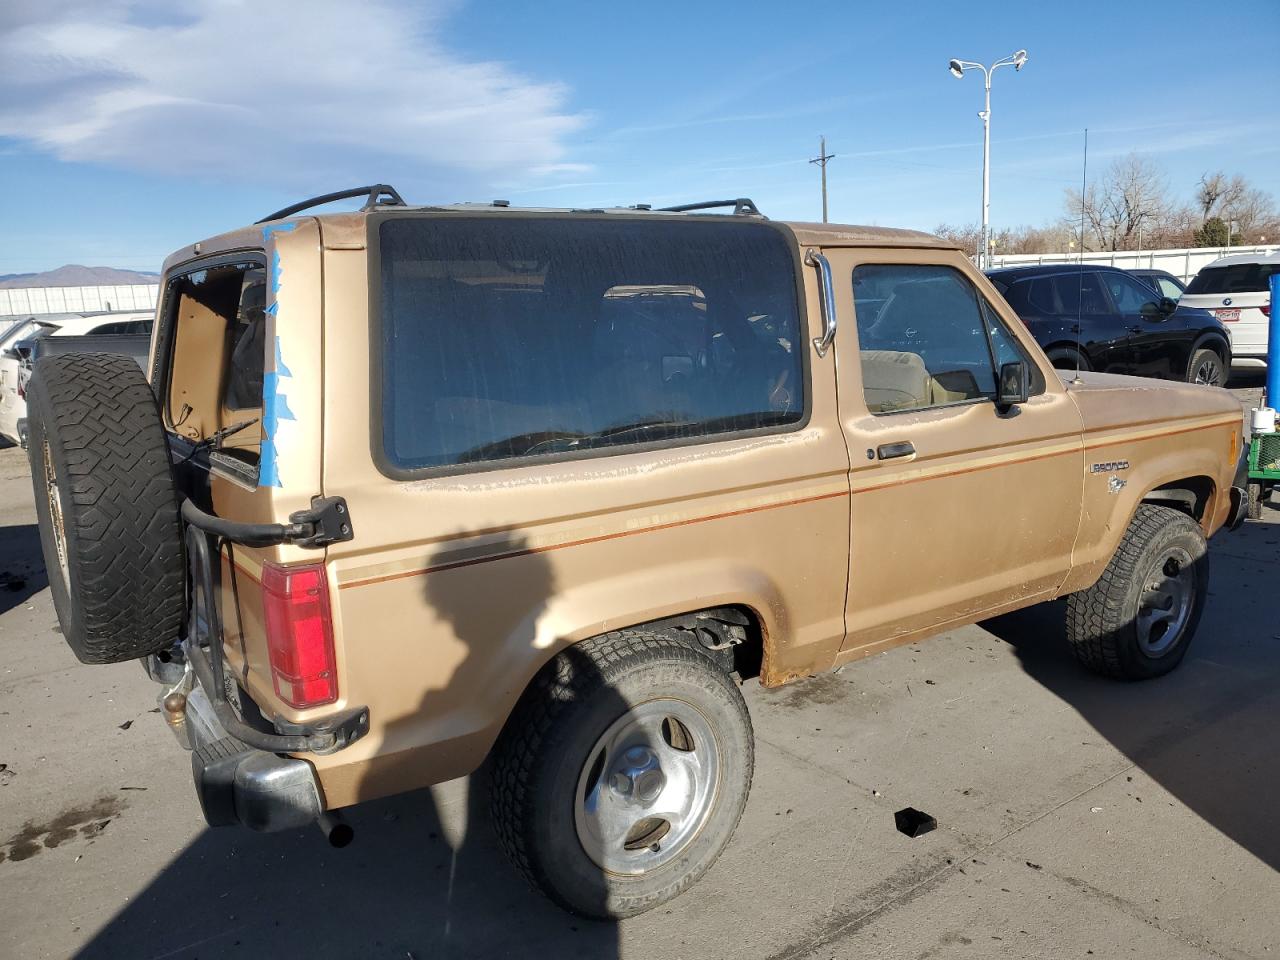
x=1217, y=193
x=1125, y=209
x=967, y=236
x=1254, y=213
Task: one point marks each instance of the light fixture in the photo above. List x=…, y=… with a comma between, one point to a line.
x=957, y=68
x=1019, y=59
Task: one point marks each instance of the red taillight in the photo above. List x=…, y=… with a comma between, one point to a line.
x=1266, y=309
x=299, y=634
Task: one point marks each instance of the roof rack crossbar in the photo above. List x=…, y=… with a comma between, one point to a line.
x=742, y=207
x=375, y=192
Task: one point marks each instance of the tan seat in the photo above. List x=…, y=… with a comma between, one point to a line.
x=894, y=380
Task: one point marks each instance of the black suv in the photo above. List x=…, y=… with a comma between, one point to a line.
x=1103, y=318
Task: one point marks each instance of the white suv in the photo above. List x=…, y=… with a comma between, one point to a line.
x=1238, y=290
x=14, y=368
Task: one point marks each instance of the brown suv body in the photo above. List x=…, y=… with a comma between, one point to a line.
x=457, y=587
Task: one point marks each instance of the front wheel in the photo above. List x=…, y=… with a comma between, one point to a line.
x=622, y=773
x=1255, y=495
x=1206, y=369
x=1137, y=621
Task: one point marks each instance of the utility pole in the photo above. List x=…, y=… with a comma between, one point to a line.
x=821, y=160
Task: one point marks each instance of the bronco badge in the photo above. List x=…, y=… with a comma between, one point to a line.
x=1110, y=466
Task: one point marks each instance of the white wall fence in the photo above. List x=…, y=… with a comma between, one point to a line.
x=34, y=301
x=1183, y=264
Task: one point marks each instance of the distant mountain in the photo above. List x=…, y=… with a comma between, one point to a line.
x=74, y=275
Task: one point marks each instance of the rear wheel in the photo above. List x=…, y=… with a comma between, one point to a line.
x=1137, y=621
x=623, y=773
x=107, y=507
x=1070, y=360
x=1206, y=369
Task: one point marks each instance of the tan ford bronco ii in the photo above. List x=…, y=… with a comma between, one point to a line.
x=416, y=487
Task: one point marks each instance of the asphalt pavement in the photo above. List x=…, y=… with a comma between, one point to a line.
x=1077, y=816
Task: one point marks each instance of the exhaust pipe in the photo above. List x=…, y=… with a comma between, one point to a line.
x=335, y=829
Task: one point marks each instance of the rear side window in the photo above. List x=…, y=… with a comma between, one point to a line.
x=122, y=328
x=1129, y=295
x=1237, y=278
x=1068, y=294
x=506, y=337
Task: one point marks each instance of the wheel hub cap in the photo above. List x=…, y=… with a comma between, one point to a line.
x=647, y=787
x=1164, y=607
x=55, y=516
x=1208, y=374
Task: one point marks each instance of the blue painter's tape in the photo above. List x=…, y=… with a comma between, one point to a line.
x=271, y=228
x=268, y=473
x=275, y=407
x=281, y=369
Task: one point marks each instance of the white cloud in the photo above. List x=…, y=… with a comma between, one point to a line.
x=298, y=93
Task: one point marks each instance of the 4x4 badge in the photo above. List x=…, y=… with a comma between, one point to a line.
x=1110, y=466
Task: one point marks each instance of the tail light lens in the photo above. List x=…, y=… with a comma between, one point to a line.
x=300, y=634
x=1266, y=310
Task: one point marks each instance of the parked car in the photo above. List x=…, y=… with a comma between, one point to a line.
x=16, y=351
x=1162, y=281
x=546, y=486
x=1237, y=290
x=1101, y=318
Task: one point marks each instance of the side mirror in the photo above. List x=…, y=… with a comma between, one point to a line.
x=1168, y=305
x=1159, y=309
x=1014, y=386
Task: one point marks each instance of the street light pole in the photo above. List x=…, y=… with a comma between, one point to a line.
x=958, y=67
x=986, y=176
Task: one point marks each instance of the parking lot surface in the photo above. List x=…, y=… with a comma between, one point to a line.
x=1077, y=816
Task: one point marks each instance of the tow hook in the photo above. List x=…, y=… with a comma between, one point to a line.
x=335, y=828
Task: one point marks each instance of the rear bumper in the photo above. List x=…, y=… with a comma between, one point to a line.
x=1249, y=363
x=240, y=784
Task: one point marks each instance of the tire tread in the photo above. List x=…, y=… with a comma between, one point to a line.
x=1095, y=617
x=130, y=570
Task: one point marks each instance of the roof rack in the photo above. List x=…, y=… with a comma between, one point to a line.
x=375, y=192
x=742, y=207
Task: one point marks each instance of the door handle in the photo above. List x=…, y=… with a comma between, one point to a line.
x=891, y=451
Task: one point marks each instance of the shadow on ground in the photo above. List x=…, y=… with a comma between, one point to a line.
x=22, y=573
x=1205, y=732
x=398, y=891
x=424, y=876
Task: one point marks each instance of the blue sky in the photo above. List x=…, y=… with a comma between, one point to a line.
x=131, y=127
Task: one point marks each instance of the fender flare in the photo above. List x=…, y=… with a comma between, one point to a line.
x=1220, y=344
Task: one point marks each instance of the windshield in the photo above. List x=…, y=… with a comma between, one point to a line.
x=512, y=337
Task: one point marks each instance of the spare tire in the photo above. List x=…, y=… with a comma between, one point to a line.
x=107, y=506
